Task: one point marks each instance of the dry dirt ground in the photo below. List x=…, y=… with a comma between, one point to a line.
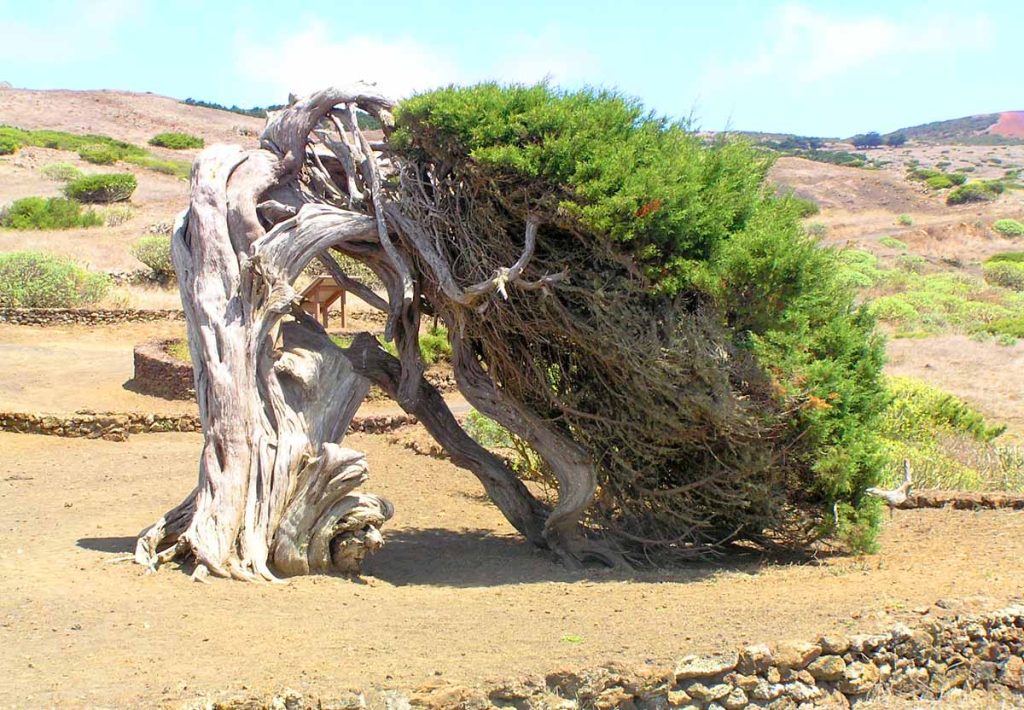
x=989, y=376
x=454, y=593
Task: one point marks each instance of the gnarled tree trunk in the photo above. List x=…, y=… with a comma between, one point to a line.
x=276, y=493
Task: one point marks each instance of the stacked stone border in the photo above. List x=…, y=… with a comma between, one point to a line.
x=82, y=316
x=940, y=659
x=160, y=374
x=113, y=426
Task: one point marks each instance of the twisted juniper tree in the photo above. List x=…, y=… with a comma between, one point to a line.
x=632, y=303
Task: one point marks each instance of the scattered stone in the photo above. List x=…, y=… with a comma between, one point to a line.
x=708, y=694
x=796, y=655
x=735, y=700
x=1012, y=674
x=859, y=678
x=705, y=666
x=834, y=644
x=754, y=659
x=827, y=668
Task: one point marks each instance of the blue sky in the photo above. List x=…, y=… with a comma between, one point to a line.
x=816, y=68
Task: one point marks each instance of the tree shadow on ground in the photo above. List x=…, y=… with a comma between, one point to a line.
x=113, y=545
x=480, y=558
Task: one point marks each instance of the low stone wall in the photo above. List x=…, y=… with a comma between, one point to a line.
x=119, y=426
x=942, y=659
x=963, y=500
x=81, y=316
x=92, y=425
x=159, y=374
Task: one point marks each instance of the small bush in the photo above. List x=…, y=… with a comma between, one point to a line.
x=803, y=207
x=37, y=280
x=1009, y=227
x=435, y=346
x=974, y=192
x=52, y=213
x=939, y=182
x=957, y=178
x=892, y=243
x=61, y=172
x=176, y=141
x=98, y=154
x=111, y=187
x=905, y=220
x=1015, y=256
x=8, y=144
x=155, y=253
x=1012, y=326
x=178, y=349
x=117, y=215
x=912, y=263
x=893, y=309
x=1008, y=274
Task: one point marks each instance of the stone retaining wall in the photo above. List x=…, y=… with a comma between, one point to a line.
x=114, y=426
x=161, y=375
x=941, y=659
x=82, y=316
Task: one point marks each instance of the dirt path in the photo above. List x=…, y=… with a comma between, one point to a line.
x=454, y=593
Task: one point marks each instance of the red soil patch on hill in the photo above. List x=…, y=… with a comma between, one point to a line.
x=1010, y=125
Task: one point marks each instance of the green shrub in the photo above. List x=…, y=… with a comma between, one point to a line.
x=61, y=172
x=1012, y=326
x=975, y=192
x=957, y=178
x=126, y=152
x=51, y=213
x=98, y=154
x=155, y=252
x=905, y=220
x=1009, y=227
x=911, y=262
x=37, y=280
x=948, y=443
x=893, y=243
x=109, y=187
x=434, y=346
x=1014, y=256
x=1008, y=274
x=176, y=141
x=803, y=206
x=939, y=182
x=893, y=309
x=8, y=144
x=179, y=350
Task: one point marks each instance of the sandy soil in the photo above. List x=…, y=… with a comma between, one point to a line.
x=125, y=115
x=66, y=369
x=453, y=594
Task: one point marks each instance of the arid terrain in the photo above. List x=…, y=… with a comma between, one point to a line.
x=455, y=594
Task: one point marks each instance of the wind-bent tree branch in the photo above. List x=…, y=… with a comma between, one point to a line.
x=633, y=305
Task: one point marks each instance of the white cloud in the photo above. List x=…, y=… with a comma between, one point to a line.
x=310, y=60
x=85, y=28
x=547, y=54
x=809, y=46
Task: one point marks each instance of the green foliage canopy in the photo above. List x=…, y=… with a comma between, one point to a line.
x=695, y=224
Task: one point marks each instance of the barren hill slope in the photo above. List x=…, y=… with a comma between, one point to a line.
x=128, y=116
x=1007, y=125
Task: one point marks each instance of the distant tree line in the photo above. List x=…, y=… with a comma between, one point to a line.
x=874, y=139
x=366, y=121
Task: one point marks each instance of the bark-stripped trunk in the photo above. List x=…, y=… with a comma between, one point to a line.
x=276, y=491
